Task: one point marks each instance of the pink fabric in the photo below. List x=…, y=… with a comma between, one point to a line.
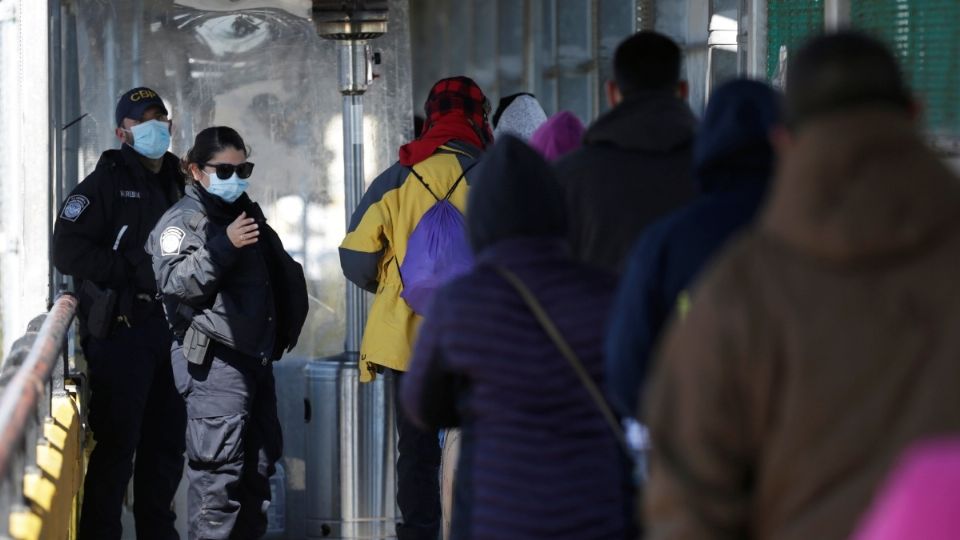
x=560, y=134
x=922, y=497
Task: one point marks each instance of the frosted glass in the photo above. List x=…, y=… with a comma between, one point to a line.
x=259, y=67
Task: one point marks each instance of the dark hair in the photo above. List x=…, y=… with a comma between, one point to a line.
x=209, y=142
x=646, y=61
x=839, y=71
x=418, y=121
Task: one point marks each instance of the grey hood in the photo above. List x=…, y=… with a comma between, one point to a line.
x=521, y=118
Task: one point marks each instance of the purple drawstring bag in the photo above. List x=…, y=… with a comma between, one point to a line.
x=437, y=251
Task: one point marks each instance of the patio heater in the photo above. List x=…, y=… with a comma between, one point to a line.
x=350, y=427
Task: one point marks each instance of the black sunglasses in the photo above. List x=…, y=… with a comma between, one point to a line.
x=226, y=170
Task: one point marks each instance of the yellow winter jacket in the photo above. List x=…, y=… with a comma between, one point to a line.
x=376, y=244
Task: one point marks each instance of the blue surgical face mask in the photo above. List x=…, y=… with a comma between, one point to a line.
x=151, y=138
x=229, y=189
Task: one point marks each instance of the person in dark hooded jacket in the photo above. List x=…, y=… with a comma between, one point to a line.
x=538, y=460
x=634, y=166
x=733, y=163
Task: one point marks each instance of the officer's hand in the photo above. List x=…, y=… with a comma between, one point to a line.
x=243, y=231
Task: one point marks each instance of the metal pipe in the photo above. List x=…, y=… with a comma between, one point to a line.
x=135, y=42
x=110, y=60
x=354, y=78
x=836, y=14
x=20, y=397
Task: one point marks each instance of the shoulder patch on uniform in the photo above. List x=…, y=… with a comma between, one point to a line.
x=170, y=240
x=74, y=206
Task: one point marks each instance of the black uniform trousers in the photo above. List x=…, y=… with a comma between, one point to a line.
x=418, y=475
x=134, y=411
x=233, y=441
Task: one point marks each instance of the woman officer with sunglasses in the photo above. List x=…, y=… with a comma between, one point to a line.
x=235, y=301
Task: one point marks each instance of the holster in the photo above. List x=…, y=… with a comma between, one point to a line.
x=196, y=344
x=98, y=308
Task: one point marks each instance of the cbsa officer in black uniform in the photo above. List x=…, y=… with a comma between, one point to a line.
x=236, y=301
x=98, y=239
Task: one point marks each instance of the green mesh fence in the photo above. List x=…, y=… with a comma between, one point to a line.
x=925, y=35
x=790, y=23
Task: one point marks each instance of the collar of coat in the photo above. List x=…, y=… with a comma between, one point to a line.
x=221, y=211
x=649, y=121
x=861, y=185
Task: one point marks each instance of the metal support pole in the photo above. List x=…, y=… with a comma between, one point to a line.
x=836, y=14
x=757, y=40
x=353, y=192
x=355, y=75
x=135, y=42
x=350, y=488
x=110, y=60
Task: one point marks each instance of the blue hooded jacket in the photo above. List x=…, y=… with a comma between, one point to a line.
x=733, y=162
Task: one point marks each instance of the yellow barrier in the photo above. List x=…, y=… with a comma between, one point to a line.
x=52, y=488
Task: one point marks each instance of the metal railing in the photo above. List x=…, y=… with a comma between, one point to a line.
x=41, y=431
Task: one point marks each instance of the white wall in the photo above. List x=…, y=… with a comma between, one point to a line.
x=25, y=214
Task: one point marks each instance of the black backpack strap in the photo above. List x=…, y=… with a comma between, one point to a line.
x=424, y=182
x=457, y=183
x=452, y=189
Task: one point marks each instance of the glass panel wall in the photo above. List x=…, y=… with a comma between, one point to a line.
x=260, y=68
x=575, y=57
x=617, y=19
x=560, y=50
x=512, y=23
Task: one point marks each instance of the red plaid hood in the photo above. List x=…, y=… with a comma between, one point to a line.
x=456, y=109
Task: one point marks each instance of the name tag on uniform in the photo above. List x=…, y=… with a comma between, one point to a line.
x=130, y=194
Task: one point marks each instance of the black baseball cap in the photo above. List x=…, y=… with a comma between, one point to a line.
x=135, y=102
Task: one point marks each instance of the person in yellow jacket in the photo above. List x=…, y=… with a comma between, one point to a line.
x=455, y=132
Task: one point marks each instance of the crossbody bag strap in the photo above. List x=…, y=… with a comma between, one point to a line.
x=551, y=329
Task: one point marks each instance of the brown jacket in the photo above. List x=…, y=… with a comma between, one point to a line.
x=819, y=346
